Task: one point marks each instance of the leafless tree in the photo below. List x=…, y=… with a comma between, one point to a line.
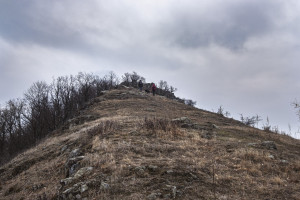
x=126, y=79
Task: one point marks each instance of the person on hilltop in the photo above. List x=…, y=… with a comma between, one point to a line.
x=153, y=88
x=140, y=84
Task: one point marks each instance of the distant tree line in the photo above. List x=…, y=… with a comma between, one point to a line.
x=46, y=107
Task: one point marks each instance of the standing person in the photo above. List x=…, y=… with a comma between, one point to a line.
x=140, y=84
x=153, y=88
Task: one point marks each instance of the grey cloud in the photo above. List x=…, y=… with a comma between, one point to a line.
x=228, y=25
x=40, y=22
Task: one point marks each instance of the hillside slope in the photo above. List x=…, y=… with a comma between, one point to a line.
x=131, y=145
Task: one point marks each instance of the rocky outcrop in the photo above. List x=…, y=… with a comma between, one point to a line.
x=270, y=145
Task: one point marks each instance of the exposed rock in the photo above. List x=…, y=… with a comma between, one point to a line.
x=64, y=148
x=266, y=145
x=269, y=145
x=174, y=190
x=149, y=110
x=230, y=148
x=153, y=196
x=76, y=191
x=152, y=168
x=170, y=171
x=186, y=125
x=196, y=126
x=208, y=134
x=193, y=176
x=84, y=188
x=75, y=153
x=140, y=170
x=271, y=157
x=78, y=174
x=76, y=159
x=134, y=133
x=72, y=165
x=215, y=126
x=184, y=120
x=104, y=186
x=66, y=181
x=253, y=144
x=284, y=161
x=83, y=171
x=37, y=187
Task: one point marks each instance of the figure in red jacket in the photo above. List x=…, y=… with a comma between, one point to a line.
x=153, y=88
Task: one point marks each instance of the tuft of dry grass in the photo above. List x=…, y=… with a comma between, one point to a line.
x=252, y=155
x=104, y=127
x=162, y=127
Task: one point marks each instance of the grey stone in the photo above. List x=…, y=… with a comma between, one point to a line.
x=75, y=153
x=153, y=196
x=67, y=191
x=153, y=168
x=104, y=186
x=70, y=196
x=149, y=110
x=193, y=176
x=253, y=144
x=72, y=165
x=66, y=181
x=271, y=157
x=82, y=172
x=170, y=171
x=215, y=126
x=76, y=159
x=84, y=188
x=174, y=190
x=140, y=170
x=133, y=133
x=284, y=161
x=208, y=134
x=185, y=120
x=269, y=145
x=64, y=148
x=186, y=125
x=196, y=126
x=78, y=196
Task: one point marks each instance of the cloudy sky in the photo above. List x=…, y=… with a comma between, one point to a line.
x=241, y=54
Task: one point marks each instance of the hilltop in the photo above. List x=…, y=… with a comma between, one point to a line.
x=127, y=144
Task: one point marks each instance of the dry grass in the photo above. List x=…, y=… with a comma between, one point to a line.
x=137, y=150
x=162, y=127
x=105, y=127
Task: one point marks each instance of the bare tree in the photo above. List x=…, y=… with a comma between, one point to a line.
x=134, y=78
x=173, y=89
x=38, y=113
x=250, y=121
x=126, y=79
x=112, y=79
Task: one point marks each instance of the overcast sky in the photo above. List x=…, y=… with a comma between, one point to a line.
x=241, y=54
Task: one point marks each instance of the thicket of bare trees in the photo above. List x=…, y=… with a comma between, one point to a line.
x=46, y=107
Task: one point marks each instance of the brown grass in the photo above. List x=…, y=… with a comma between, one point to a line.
x=137, y=150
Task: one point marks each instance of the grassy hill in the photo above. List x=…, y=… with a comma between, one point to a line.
x=130, y=145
